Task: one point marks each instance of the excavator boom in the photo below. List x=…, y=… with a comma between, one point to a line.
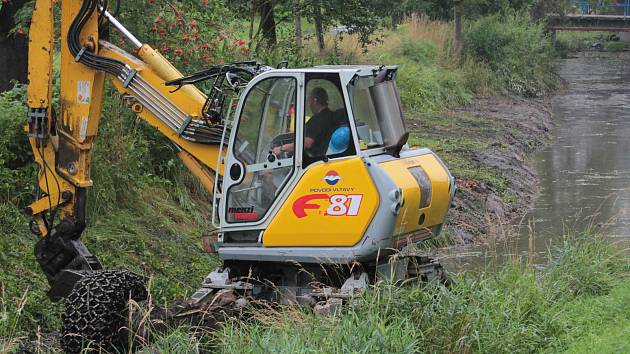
x=63, y=138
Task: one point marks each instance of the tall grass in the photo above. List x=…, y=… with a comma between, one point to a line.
x=10, y=312
x=438, y=32
x=509, y=308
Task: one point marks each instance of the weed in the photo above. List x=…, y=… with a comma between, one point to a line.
x=508, y=308
x=615, y=46
x=10, y=312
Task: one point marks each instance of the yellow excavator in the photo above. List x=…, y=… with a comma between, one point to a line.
x=314, y=185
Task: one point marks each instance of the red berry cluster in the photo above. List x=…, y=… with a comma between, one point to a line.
x=179, y=37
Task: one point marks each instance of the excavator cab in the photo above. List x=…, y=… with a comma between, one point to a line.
x=317, y=170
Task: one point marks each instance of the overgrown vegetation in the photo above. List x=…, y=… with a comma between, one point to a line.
x=572, y=42
x=514, y=50
x=579, y=41
x=502, y=308
x=146, y=213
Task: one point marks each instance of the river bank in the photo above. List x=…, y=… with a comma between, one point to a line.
x=487, y=145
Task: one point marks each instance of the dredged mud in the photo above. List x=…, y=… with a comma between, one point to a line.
x=487, y=146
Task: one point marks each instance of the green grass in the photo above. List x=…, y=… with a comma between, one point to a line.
x=615, y=46
x=581, y=297
x=600, y=324
x=578, y=41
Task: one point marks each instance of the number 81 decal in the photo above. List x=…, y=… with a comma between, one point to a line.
x=339, y=204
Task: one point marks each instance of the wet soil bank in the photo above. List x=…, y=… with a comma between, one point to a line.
x=487, y=146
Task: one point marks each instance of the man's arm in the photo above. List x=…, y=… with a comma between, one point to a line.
x=290, y=147
x=310, y=129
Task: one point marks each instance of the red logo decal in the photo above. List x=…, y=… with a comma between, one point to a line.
x=339, y=204
x=246, y=216
x=300, y=205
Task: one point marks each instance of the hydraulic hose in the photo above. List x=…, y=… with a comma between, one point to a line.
x=108, y=65
x=168, y=114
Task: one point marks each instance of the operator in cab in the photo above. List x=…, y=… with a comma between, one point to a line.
x=318, y=129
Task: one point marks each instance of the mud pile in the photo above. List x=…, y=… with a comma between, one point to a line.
x=487, y=145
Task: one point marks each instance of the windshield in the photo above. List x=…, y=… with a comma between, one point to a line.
x=377, y=113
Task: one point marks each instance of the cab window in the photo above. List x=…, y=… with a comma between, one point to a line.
x=327, y=130
x=267, y=121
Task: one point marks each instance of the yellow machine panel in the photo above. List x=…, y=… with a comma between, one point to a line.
x=40, y=55
x=81, y=97
x=427, y=205
x=332, y=205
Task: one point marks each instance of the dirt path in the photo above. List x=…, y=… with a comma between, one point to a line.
x=487, y=146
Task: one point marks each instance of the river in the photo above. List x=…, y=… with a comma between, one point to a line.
x=585, y=171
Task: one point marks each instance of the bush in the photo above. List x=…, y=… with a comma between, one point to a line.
x=430, y=88
x=16, y=168
x=420, y=51
x=516, y=50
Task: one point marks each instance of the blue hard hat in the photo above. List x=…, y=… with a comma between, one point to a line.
x=339, y=140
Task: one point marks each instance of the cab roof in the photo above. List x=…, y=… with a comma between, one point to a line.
x=352, y=69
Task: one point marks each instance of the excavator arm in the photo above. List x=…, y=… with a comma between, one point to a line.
x=63, y=140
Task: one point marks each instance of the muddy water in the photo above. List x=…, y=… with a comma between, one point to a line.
x=585, y=171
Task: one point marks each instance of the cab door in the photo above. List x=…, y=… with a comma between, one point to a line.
x=256, y=175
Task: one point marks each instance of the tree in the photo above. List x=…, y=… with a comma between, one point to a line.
x=319, y=26
x=14, y=46
x=297, y=25
x=360, y=17
x=268, y=23
x=356, y=16
x=543, y=8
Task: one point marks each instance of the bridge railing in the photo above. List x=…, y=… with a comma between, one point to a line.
x=586, y=7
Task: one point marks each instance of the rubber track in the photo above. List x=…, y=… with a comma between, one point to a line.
x=95, y=310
